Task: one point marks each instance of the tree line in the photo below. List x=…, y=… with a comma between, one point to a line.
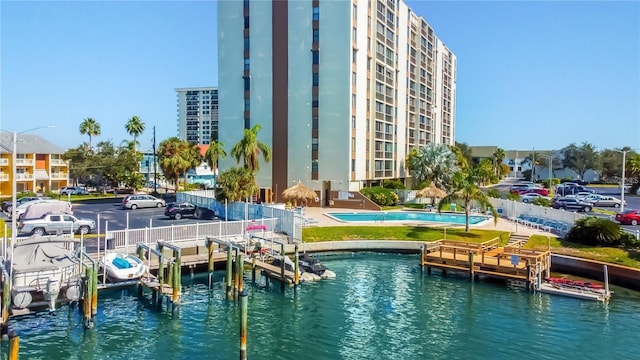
x=109, y=165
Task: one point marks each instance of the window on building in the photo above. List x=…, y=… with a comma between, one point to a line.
x=247, y=64
x=247, y=104
x=353, y=79
x=380, y=27
x=246, y=22
x=353, y=122
x=355, y=11
x=314, y=144
x=353, y=99
x=353, y=144
x=316, y=35
x=316, y=79
x=354, y=54
x=316, y=13
x=314, y=166
x=316, y=57
x=354, y=36
x=314, y=123
x=246, y=43
x=353, y=164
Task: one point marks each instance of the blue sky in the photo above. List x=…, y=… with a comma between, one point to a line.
x=530, y=74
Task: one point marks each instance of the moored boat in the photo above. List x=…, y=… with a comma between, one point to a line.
x=44, y=272
x=577, y=283
x=122, y=267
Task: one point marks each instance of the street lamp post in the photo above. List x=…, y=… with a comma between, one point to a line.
x=624, y=165
x=14, y=170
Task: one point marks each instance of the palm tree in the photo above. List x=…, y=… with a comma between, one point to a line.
x=435, y=163
x=498, y=156
x=135, y=127
x=90, y=127
x=213, y=154
x=172, y=159
x=236, y=184
x=466, y=190
x=249, y=148
x=465, y=153
x=192, y=155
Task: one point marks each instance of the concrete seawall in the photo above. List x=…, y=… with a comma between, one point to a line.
x=619, y=275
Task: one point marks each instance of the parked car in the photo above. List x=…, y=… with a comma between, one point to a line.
x=56, y=223
x=602, y=200
x=564, y=190
x=177, y=210
x=525, y=188
x=629, y=217
x=8, y=206
x=73, y=190
x=141, y=201
x=574, y=204
x=530, y=197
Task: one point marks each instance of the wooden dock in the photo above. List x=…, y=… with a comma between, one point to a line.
x=487, y=259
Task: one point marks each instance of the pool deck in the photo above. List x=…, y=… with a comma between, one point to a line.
x=318, y=217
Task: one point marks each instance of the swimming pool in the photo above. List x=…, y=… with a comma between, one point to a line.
x=413, y=216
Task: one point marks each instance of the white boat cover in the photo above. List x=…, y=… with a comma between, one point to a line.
x=40, y=256
x=36, y=210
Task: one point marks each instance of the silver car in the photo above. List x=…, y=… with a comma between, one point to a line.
x=141, y=201
x=602, y=201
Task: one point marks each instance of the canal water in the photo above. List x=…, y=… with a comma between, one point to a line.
x=378, y=307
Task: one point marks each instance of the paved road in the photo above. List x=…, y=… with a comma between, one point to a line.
x=117, y=217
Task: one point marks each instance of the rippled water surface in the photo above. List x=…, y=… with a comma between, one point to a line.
x=378, y=307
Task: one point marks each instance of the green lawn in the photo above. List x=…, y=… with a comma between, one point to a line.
x=627, y=257
x=417, y=233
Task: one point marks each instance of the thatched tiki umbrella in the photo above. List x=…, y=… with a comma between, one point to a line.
x=298, y=192
x=433, y=192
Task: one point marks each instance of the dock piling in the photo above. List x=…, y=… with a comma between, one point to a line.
x=253, y=271
x=229, y=274
x=471, y=269
x=282, y=268
x=14, y=345
x=296, y=275
x=240, y=272
x=236, y=276
x=210, y=266
x=243, y=325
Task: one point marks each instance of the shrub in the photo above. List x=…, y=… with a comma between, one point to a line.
x=24, y=194
x=628, y=240
x=513, y=196
x=380, y=195
x=554, y=181
x=595, y=231
x=542, y=201
x=494, y=193
x=393, y=184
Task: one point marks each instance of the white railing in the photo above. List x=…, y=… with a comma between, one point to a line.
x=24, y=162
x=513, y=209
x=58, y=162
x=286, y=222
x=24, y=176
x=58, y=176
x=4, y=162
x=181, y=233
x=4, y=177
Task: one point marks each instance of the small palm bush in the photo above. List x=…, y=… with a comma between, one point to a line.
x=595, y=231
x=380, y=195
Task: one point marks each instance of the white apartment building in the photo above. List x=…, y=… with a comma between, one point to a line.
x=198, y=114
x=343, y=90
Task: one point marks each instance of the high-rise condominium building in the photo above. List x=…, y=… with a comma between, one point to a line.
x=343, y=90
x=198, y=114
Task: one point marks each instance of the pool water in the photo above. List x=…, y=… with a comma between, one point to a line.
x=413, y=216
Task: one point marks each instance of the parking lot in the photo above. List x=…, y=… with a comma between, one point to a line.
x=632, y=201
x=139, y=218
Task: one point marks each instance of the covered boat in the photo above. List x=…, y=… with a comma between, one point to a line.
x=44, y=271
x=122, y=267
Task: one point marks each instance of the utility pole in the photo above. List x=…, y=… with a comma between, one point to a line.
x=155, y=163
